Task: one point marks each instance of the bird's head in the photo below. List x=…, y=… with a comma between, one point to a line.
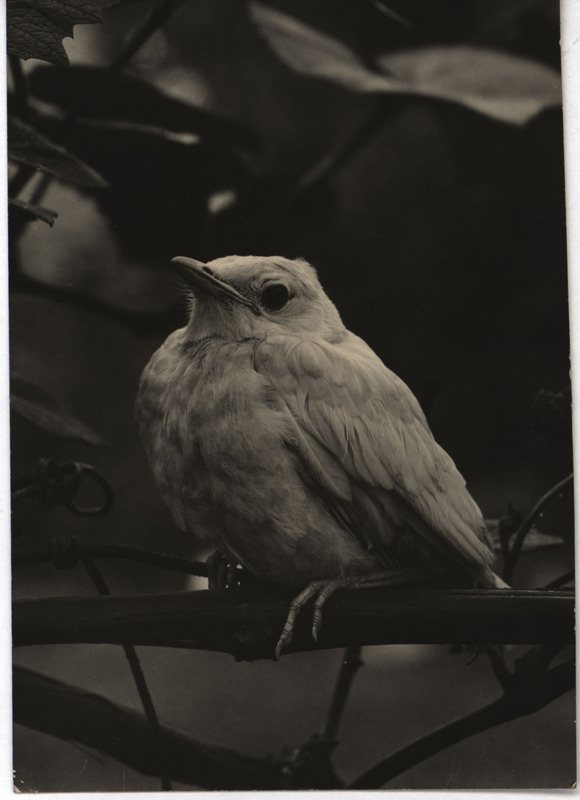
x=239, y=297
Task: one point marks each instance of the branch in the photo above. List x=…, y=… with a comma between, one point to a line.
x=48, y=555
x=351, y=664
x=19, y=86
x=52, y=707
x=519, y=538
x=159, y=16
x=136, y=670
x=328, y=166
x=524, y=698
x=247, y=623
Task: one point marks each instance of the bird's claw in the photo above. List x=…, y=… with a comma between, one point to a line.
x=283, y=641
x=323, y=589
x=295, y=607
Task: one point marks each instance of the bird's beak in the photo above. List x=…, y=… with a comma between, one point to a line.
x=200, y=277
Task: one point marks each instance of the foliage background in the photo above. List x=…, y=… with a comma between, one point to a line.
x=441, y=240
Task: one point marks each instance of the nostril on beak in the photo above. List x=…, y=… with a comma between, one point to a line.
x=208, y=270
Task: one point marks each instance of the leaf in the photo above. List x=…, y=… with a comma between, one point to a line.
x=310, y=52
x=501, y=86
x=36, y=28
x=506, y=87
x=29, y=212
x=165, y=161
x=535, y=539
x=40, y=407
x=27, y=146
x=133, y=100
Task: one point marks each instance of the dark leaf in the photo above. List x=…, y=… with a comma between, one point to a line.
x=36, y=28
x=501, y=86
x=161, y=183
x=40, y=407
x=29, y=213
x=168, y=163
x=27, y=146
x=130, y=99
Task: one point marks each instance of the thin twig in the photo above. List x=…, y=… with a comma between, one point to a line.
x=394, y=16
x=516, y=548
x=561, y=580
x=136, y=670
x=124, y=552
x=40, y=189
x=19, y=180
x=328, y=166
x=160, y=14
x=20, y=86
x=351, y=664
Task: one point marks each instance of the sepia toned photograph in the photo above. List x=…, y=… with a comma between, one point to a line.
x=292, y=492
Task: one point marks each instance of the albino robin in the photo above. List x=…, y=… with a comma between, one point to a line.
x=280, y=437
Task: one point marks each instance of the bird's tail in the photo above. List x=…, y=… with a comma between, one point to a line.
x=495, y=582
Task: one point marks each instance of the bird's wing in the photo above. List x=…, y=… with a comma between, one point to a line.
x=365, y=442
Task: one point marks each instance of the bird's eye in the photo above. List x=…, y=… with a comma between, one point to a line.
x=275, y=296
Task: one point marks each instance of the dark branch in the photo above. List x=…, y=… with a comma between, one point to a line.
x=523, y=699
x=47, y=555
x=247, y=623
x=351, y=664
x=328, y=166
x=52, y=707
x=135, y=666
x=523, y=530
x=19, y=86
x=159, y=16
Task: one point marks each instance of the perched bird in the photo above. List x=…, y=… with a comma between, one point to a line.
x=281, y=438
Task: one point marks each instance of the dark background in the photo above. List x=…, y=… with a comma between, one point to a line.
x=441, y=239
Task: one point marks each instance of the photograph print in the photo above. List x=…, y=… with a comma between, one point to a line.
x=291, y=431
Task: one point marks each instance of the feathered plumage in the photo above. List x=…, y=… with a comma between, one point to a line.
x=281, y=437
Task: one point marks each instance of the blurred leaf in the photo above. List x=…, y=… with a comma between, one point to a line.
x=27, y=146
x=161, y=183
x=36, y=28
x=310, y=52
x=505, y=87
x=164, y=159
x=40, y=407
x=29, y=213
x=131, y=99
x=535, y=539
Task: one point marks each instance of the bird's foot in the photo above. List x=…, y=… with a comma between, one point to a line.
x=298, y=603
x=221, y=572
x=324, y=588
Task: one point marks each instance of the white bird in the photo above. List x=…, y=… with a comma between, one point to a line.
x=281, y=438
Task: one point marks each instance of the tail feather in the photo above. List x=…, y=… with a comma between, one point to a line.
x=493, y=581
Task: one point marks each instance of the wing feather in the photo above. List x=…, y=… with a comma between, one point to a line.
x=367, y=443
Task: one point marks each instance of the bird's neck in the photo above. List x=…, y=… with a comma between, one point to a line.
x=216, y=321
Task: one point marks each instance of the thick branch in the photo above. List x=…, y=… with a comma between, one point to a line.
x=247, y=623
x=52, y=707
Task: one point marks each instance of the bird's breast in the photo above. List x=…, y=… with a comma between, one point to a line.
x=216, y=434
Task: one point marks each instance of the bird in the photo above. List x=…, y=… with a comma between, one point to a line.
x=281, y=439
